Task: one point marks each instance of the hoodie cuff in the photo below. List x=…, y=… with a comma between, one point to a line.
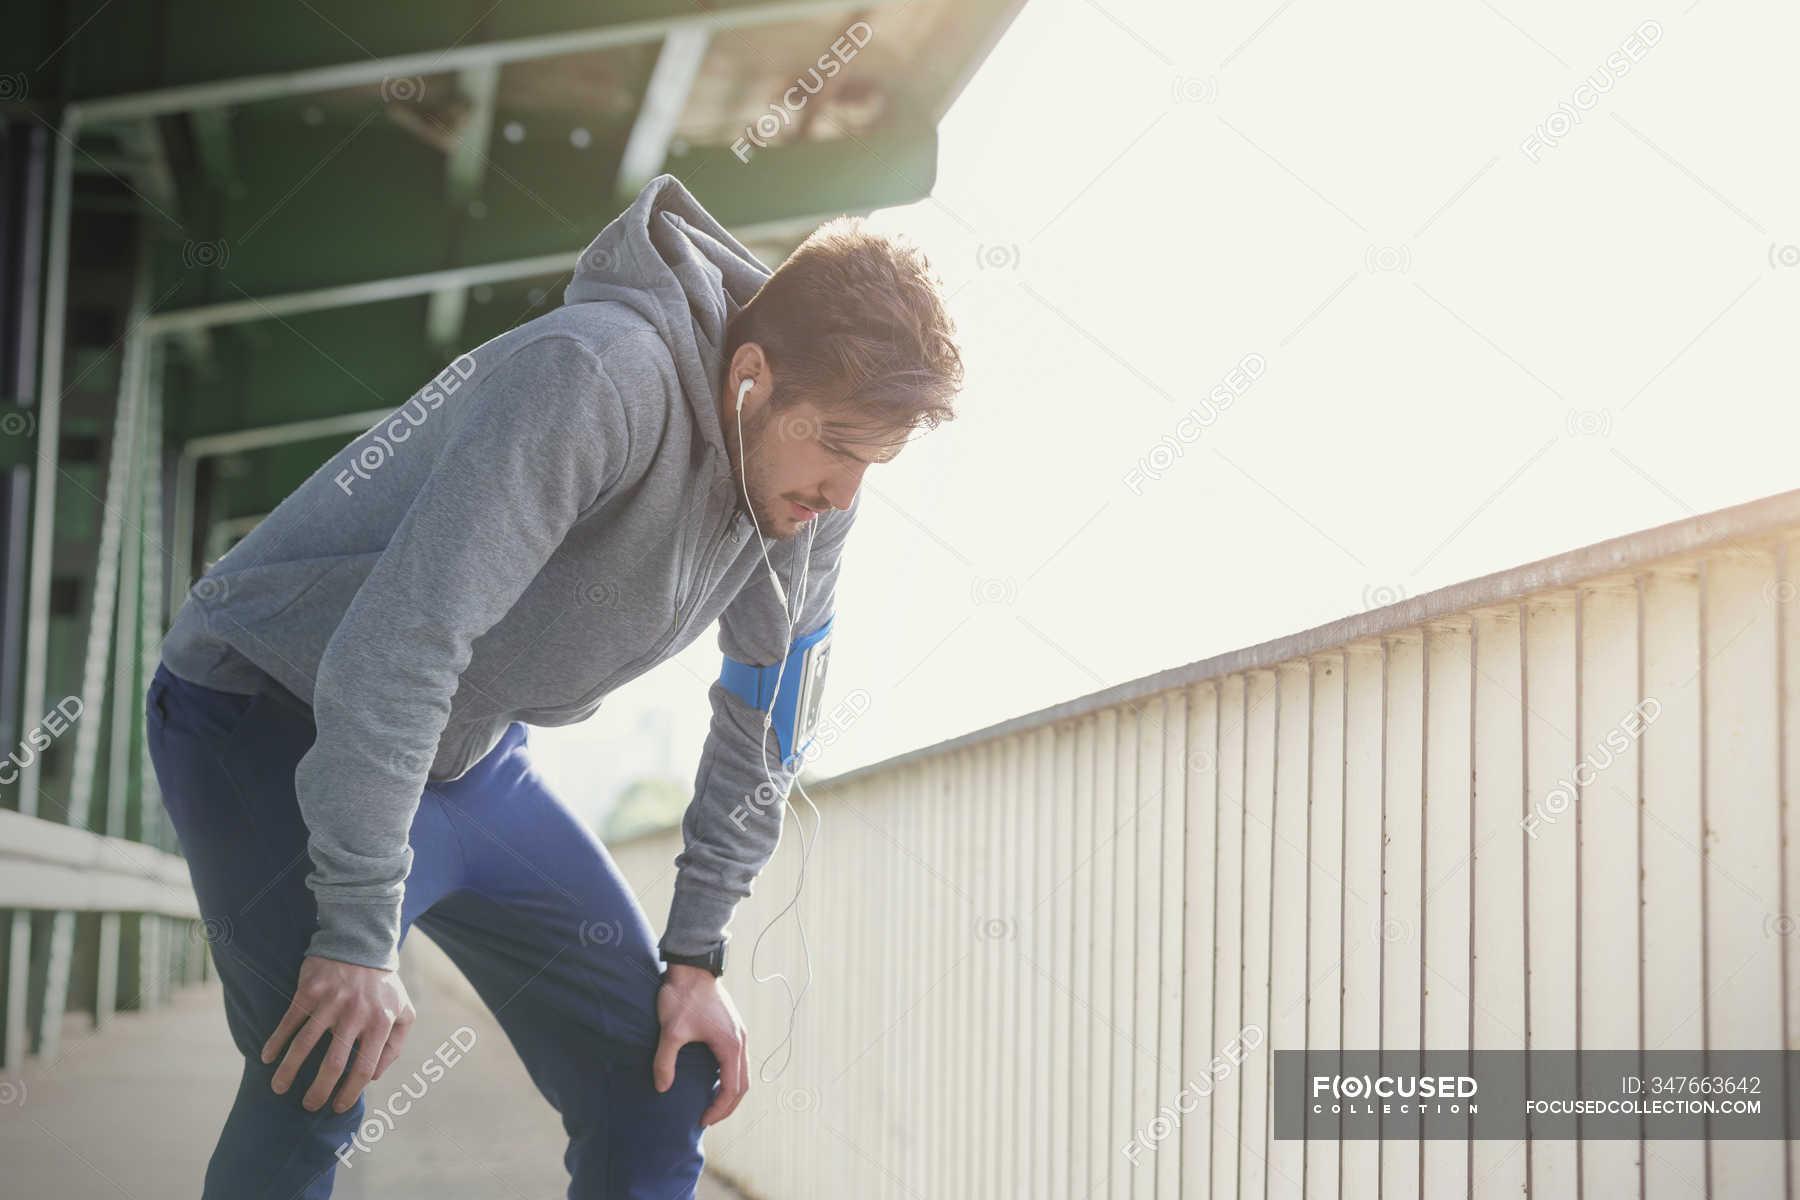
x=697, y=920
x=358, y=932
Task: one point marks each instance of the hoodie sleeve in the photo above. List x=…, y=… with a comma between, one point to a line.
x=542, y=439
x=733, y=823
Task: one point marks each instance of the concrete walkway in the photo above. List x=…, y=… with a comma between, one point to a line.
x=132, y=1114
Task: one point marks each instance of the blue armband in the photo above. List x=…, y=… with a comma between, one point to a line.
x=796, y=708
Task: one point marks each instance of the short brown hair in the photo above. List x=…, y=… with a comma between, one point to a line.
x=854, y=322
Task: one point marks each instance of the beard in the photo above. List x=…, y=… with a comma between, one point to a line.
x=753, y=473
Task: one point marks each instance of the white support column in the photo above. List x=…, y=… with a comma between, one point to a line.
x=43, y=516
x=155, y=614
x=659, y=111
x=121, y=476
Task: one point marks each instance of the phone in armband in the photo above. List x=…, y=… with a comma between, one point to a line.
x=794, y=712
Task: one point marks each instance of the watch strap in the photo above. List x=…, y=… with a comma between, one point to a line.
x=713, y=960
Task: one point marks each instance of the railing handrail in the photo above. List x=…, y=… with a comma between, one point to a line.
x=1629, y=551
x=50, y=865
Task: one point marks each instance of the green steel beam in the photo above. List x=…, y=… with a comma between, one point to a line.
x=339, y=230
x=211, y=131
x=320, y=358
x=314, y=357
x=131, y=61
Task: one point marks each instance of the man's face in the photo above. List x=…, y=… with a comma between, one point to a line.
x=800, y=463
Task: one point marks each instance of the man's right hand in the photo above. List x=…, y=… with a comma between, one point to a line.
x=356, y=1004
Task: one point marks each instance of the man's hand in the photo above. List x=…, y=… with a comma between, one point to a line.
x=354, y=1003
x=694, y=1006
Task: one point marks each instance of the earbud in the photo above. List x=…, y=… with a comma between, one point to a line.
x=742, y=388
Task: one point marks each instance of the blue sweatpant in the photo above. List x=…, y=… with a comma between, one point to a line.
x=515, y=889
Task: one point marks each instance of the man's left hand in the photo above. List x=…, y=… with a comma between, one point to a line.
x=694, y=1006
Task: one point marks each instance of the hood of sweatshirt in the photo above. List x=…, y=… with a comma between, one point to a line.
x=670, y=261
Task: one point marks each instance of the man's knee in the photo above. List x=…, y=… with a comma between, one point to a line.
x=637, y=1141
x=272, y=1145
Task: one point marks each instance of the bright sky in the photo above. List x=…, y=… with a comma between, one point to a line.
x=1445, y=352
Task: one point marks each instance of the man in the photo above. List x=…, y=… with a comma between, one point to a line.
x=563, y=508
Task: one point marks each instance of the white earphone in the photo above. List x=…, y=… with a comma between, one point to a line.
x=744, y=471
x=806, y=846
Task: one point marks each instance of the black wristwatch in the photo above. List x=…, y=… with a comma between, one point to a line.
x=713, y=960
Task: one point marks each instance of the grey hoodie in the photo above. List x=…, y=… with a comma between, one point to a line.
x=547, y=519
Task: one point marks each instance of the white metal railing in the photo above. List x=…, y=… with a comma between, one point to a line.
x=53, y=866
x=46, y=865
x=1435, y=824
